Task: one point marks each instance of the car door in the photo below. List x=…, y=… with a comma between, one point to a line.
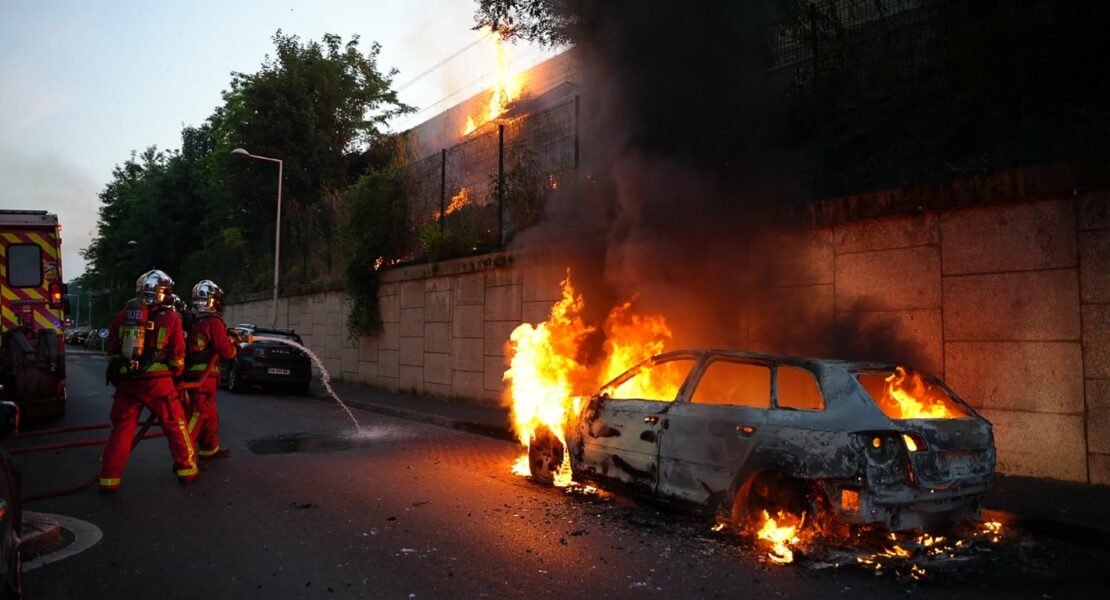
x=713, y=429
x=620, y=436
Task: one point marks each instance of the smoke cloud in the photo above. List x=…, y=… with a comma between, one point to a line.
x=687, y=150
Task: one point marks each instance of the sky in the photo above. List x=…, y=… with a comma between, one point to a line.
x=83, y=84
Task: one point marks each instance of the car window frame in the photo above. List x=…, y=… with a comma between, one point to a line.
x=775, y=389
x=695, y=377
x=649, y=363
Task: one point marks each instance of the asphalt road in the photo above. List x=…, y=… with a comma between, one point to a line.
x=408, y=510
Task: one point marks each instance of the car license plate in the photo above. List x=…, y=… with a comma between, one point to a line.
x=960, y=465
x=273, y=371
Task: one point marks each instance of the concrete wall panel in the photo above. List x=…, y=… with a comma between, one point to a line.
x=470, y=289
x=412, y=351
x=887, y=234
x=412, y=322
x=437, y=337
x=1096, y=340
x=437, y=306
x=466, y=355
x=1030, y=376
x=503, y=303
x=1094, y=266
x=437, y=368
x=900, y=279
x=468, y=321
x=1094, y=211
x=1098, y=415
x=1033, y=305
x=1038, y=444
x=1015, y=237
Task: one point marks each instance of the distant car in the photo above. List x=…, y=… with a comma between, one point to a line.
x=740, y=432
x=77, y=337
x=11, y=509
x=265, y=363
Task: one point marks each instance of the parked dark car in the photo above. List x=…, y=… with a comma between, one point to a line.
x=740, y=432
x=77, y=336
x=11, y=509
x=261, y=362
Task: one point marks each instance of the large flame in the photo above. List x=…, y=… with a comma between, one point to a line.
x=780, y=532
x=507, y=86
x=547, y=379
x=908, y=396
x=544, y=367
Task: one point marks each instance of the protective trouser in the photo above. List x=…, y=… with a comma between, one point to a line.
x=204, y=418
x=160, y=397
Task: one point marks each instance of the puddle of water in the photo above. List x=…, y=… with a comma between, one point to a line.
x=320, y=441
x=325, y=377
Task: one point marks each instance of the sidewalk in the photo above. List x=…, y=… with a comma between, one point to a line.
x=1053, y=506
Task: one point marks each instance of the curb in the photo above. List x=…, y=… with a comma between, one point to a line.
x=38, y=534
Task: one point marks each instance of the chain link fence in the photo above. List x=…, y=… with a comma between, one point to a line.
x=892, y=92
x=476, y=195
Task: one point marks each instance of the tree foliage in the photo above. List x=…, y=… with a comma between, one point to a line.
x=549, y=22
x=201, y=212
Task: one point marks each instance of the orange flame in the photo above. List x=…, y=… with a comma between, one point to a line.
x=507, y=86
x=543, y=368
x=632, y=338
x=547, y=378
x=459, y=201
x=780, y=532
x=908, y=396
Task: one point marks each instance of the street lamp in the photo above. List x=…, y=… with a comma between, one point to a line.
x=277, y=232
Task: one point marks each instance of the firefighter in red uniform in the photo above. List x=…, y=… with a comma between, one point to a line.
x=207, y=339
x=146, y=350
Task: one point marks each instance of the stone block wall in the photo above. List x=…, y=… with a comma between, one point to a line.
x=1009, y=302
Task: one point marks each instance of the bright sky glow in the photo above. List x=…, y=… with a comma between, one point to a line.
x=85, y=83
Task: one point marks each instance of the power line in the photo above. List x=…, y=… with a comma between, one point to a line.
x=530, y=52
x=439, y=64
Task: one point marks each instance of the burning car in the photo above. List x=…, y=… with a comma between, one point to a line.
x=742, y=434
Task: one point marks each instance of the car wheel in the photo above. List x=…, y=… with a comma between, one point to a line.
x=773, y=492
x=302, y=389
x=545, y=455
x=234, y=384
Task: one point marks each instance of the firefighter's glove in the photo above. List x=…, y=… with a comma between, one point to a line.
x=112, y=374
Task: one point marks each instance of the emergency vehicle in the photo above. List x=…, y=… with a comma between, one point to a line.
x=32, y=303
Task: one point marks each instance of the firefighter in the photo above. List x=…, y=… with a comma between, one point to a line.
x=146, y=347
x=207, y=343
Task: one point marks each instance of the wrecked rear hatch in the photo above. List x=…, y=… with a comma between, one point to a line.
x=948, y=444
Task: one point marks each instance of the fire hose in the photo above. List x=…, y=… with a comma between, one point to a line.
x=182, y=389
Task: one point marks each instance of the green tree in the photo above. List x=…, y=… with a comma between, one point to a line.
x=374, y=235
x=317, y=106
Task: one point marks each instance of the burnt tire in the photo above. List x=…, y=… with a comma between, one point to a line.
x=773, y=492
x=545, y=455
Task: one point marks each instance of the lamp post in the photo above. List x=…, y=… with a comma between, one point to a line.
x=77, y=317
x=277, y=231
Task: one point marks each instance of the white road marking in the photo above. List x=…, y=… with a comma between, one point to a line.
x=85, y=534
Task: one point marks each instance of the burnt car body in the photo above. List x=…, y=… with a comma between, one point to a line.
x=265, y=363
x=747, y=431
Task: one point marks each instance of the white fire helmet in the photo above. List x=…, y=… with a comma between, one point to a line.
x=208, y=297
x=154, y=287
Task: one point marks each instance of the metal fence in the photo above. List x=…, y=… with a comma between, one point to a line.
x=476, y=195
x=892, y=92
